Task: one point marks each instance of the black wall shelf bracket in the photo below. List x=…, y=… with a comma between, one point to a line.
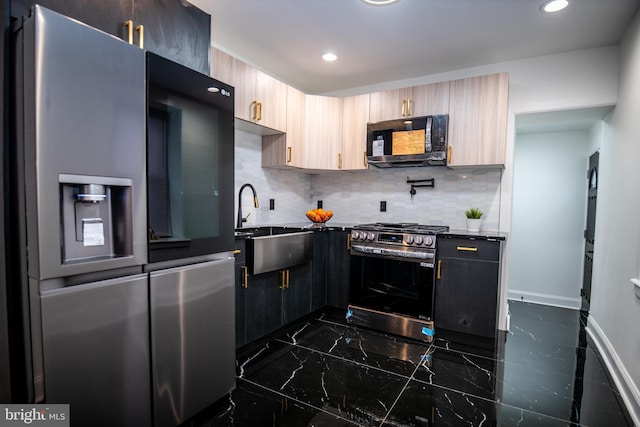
x=420, y=183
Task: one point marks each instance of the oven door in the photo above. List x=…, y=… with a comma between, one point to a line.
x=393, y=295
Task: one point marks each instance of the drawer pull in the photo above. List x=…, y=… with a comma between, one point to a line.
x=439, y=266
x=236, y=251
x=466, y=249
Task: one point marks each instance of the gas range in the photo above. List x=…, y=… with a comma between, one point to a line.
x=401, y=241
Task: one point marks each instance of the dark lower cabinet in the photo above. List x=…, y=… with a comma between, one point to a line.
x=263, y=305
x=338, y=268
x=174, y=29
x=466, y=285
x=296, y=295
x=240, y=269
x=320, y=269
x=267, y=301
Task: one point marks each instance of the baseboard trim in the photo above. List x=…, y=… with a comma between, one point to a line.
x=553, y=300
x=628, y=390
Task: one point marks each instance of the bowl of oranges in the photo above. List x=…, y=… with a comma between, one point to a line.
x=319, y=216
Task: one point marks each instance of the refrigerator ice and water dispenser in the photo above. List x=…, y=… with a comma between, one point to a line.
x=96, y=215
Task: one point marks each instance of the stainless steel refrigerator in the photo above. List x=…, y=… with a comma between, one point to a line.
x=81, y=182
x=191, y=266
x=124, y=341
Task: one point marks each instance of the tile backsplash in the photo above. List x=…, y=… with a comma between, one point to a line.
x=354, y=197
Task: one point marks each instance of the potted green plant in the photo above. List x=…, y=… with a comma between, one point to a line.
x=474, y=217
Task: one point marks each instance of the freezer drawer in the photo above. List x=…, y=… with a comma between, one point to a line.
x=96, y=351
x=192, y=338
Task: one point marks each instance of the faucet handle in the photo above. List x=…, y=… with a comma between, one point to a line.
x=245, y=218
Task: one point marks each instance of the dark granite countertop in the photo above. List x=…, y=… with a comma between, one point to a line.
x=481, y=235
x=249, y=231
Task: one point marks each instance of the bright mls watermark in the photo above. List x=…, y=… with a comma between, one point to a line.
x=35, y=415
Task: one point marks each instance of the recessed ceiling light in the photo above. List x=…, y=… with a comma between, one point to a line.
x=329, y=57
x=380, y=2
x=554, y=5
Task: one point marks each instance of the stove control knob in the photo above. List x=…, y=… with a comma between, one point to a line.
x=371, y=236
x=355, y=235
x=408, y=240
x=418, y=240
x=428, y=241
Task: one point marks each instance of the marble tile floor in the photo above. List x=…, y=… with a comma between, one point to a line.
x=321, y=371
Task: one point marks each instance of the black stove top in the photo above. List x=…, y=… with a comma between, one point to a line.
x=406, y=227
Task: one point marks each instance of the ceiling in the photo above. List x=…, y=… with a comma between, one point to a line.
x=409, y=39
x=559, y=121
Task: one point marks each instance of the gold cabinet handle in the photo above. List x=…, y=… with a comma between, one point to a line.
x=284, y=279
x=439, y=266
x=364, y=159
x=236, y=251
x=140, y=31
x=404, y=105
x=339, y=160
x=289, y=150
x=408, y=106
x=466, y=249
x=449, y=154
x=254, y=110
x=348, y=242
x=245, y=276
x=259, y=113
x=129, y=25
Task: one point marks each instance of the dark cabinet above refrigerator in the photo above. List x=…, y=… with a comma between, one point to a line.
x=175, y=29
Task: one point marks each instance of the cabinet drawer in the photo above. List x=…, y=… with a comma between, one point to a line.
x=481, y=250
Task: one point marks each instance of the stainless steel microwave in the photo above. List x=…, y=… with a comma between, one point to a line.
x=416, y=141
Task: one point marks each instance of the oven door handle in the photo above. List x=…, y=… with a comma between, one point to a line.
x=393, y=252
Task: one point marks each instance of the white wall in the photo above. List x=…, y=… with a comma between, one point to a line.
x=615, y=310
x=549, y=204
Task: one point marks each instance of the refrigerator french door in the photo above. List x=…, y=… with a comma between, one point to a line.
x=95, y=341
x=193, y=338
x=79, y=184
x=190, y=142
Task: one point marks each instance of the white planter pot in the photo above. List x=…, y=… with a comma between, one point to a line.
x=473, y=224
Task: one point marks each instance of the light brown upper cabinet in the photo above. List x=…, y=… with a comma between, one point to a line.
x=412, y=101
x=478, y=121
x=287, y=150
x=323, y=132
x=355, y=114
x=259, y=98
